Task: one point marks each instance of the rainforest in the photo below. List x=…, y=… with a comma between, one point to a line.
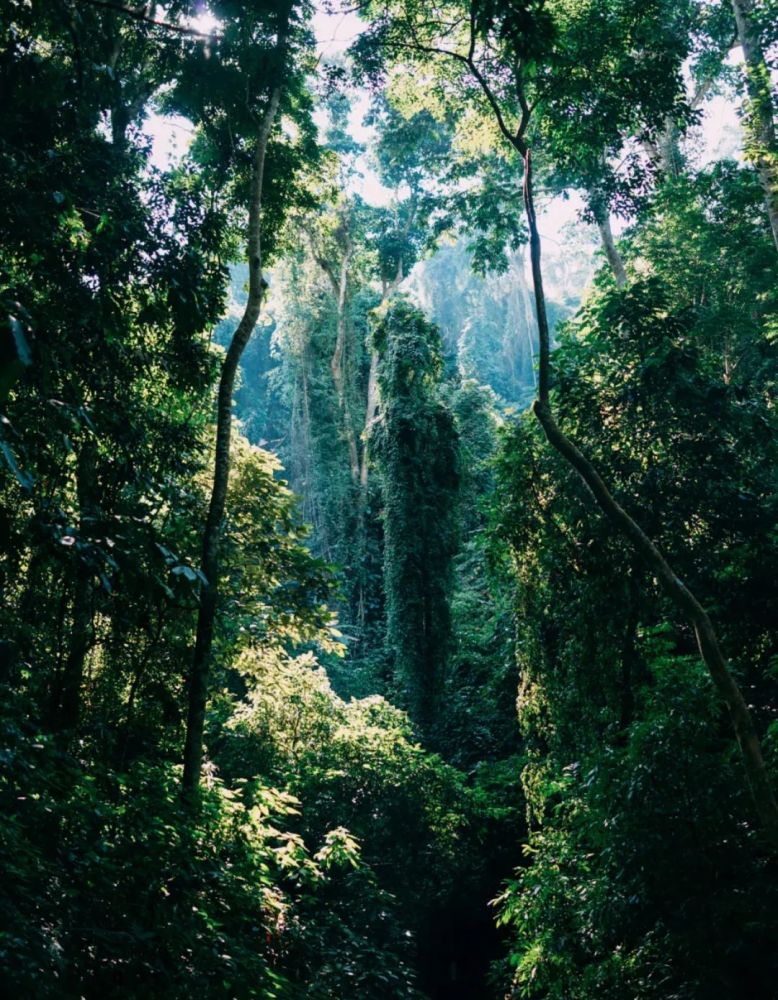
x=389, y=499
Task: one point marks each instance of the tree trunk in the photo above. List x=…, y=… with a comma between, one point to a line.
x=665, y=152
x=69, y=712
x=370, y=413
x=373, y=399
x=200, y=669
x=602, y=218
x=682, y=598
x=65, y=707
x=337, y=363
x=760, y=120
x=629, y=652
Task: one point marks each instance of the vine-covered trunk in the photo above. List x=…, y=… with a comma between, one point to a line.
x=200, y=669
x=680, y=595
x=337, y=367
x=373, y=395
x=370, y=414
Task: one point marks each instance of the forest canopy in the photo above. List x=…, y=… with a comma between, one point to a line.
x=389, y=499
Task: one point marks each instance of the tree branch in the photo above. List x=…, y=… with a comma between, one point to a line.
x=139, y=15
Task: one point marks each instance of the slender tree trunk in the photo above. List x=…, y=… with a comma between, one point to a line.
x=65, y=707
x=602, y=218
x=613, y=255
x=371, y=410
x=371, y=414
x=314, y=509
x=73, y=675
x=680, y=595
x=200, y=669
x=760, y=117
x=598, y=205
x=629, y=651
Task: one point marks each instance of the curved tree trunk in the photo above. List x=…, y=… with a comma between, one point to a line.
x=680, y=595
x=200, y=669
x=760, y=118
x=685, y=602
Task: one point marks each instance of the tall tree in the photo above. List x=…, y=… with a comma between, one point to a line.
x=504, y=57
x=762, y=147
x=406, y=153
x=416, y=445
x=259, y=48
x=101, y=254
x=606, y=667
x=335, y=239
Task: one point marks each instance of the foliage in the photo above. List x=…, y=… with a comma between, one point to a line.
x=640, y=869
x=112, y=889
x=416, y=447
x=367, y=784
x=355, y=765
x=640, y=858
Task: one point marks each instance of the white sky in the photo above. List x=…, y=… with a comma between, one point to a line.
x=335, y=32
